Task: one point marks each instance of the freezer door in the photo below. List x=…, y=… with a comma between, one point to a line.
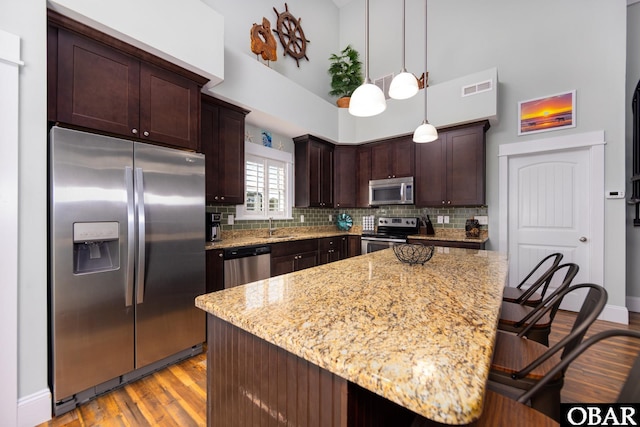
x=91, y=310
x=171, y=251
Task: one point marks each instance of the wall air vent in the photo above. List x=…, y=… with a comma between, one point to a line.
x=476, y=88
x=383, y=83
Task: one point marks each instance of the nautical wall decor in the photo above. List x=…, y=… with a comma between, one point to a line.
x=262, y=41
x=292, y=38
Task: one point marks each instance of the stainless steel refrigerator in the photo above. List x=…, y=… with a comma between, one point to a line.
x=127, y=239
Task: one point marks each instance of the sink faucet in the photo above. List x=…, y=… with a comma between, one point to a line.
x=271, y=229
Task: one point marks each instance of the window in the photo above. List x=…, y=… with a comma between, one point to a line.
x=268, y=184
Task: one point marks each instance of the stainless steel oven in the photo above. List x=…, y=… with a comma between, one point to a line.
x=390, y=231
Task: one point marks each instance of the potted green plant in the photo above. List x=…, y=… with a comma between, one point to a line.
x=346, y=74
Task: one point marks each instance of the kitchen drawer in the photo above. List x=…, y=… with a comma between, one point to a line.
x=295, y=247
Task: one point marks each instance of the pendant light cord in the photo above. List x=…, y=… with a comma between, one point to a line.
x=366, y=43
x=404, y=31
x=426, y=73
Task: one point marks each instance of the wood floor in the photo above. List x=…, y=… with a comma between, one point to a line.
x=176, y=396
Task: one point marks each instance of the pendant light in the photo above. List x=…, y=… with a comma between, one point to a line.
x=404, y=85
x=425, y=132
x=367, y=100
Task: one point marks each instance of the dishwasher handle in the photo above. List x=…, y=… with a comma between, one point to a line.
x=246, y=251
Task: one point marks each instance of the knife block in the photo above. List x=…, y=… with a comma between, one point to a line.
x=429, y=231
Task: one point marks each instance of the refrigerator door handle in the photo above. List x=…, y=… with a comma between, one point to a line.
x=141, y=236
x=131, y=242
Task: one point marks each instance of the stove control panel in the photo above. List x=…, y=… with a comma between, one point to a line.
x=398, y=222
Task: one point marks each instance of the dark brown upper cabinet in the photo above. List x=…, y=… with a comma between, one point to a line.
x=222, y=140
x=344, y=181
x=393, y=158
x=363, y=175
x=313, y=172
x=451, y=170
x=101, y=83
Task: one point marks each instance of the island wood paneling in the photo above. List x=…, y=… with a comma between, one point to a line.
x=253, y=383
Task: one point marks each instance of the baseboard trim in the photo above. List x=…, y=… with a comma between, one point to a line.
x=633, y=303
x=34, y=409
x=615, y=313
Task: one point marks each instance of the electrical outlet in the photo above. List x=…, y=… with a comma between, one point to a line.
x=482, y=219
x=230, y=219
x=446, y=219
x=301, y=218
x=440, y=219
x=330, y=217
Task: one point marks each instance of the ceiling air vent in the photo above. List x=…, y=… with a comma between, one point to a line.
x=383, y=83
x=476, y=88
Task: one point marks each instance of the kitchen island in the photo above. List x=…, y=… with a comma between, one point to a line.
x=334, y=344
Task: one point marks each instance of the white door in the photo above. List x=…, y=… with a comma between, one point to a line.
x=548, y=210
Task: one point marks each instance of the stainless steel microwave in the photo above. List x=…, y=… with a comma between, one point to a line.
x=392, y=191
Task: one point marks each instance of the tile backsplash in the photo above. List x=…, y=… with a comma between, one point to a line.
x=317, y=217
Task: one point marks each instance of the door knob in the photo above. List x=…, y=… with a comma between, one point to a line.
x=583, y=239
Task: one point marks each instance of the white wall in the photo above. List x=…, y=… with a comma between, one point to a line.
x=318, y=21
x=9, y=84
x=542, y=49
x=633, y=233
x=27, y=19
x=306, y=107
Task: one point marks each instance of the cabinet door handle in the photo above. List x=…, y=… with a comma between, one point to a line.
x=216, y=198
x=146, y=133
x=222, y=198
x=134, y=131
x=220, y=255
x=449, y=202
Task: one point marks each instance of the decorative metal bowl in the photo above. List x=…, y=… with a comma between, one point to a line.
x=413, y=254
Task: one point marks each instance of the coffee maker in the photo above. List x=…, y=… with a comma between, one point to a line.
x=213, y=226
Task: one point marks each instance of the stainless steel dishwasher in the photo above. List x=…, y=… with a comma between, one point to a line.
x=246, y=264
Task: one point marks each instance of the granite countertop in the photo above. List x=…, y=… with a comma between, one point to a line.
x=261, y=237
x=420, y=336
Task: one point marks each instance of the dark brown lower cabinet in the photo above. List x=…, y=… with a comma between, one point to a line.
x=251, y=382
x=331, y=249
x=353, y=246
x=215, y=270
x=288, y=257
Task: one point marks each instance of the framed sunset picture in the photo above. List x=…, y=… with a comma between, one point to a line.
x=552, y=112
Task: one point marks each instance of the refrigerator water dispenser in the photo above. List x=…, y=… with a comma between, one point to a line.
x=95, y=247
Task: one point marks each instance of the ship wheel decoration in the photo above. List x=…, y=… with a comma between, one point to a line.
x=291, y=35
